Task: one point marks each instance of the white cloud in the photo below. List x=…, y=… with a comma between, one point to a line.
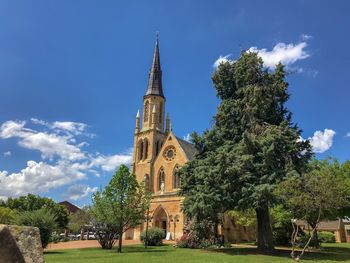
x=287, y=54
x=347, y=134
x=221, y=59
x=69, y=127
x=305, y=37
x=111, y=162
x=49, y=144
x=79, y=191
x=8, y=153
x=187, y=137
x=38, y=177
x=13, y=129
x=63, y=161
x=322, y=141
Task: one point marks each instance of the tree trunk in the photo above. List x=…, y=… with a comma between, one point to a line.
x=265, y=240
x=120, y=239
x=146, y=241
x=216, y=233
x=316, y=241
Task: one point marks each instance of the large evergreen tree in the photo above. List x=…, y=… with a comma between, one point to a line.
x=252, y=146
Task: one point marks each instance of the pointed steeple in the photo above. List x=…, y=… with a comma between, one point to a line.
x=155, y=75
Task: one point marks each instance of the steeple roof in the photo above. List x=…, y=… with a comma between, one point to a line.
x=155, y=74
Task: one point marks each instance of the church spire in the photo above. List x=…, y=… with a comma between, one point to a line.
x=155, y=75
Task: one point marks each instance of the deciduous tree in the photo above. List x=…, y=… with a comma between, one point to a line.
x=323, y=193
x=122, y=204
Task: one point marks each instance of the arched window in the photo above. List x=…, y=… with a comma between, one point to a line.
x=176, y=177
x=161, y=180
x=145, y=152
x=157, y=148
x=160, y=112
x=146, y=112
x=146, y=180
x=140, y=150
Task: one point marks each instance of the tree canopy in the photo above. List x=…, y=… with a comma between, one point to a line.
x=252, y=146
x=322, y=193
x=34, y=202
x=122, y=204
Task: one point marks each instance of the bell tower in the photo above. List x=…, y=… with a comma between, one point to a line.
x=154, y=100
x=150, y=132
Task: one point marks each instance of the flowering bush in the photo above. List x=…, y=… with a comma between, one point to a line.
x=190, y=240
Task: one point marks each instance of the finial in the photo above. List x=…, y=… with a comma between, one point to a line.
x=138, y=114
x=168, y=115
x=157, y=33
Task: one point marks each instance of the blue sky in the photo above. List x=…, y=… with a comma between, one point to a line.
x=73, y=73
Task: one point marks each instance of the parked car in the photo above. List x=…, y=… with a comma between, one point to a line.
x=85, y=237
x=91, y=236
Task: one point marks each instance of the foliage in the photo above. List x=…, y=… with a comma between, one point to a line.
x=323, y=193
x=79, y=219
x=122, y=204
x=187, y=241
x=251, y=148
x=7, y=215
x=280, y=222
x=34, y=202
x=326, y=237
x=191, y=240
x=281, y=225
x=245, y=218
x=43, y=218
x=105, y=234
x=323, y=237
x=201, y=235
x=154, y=237
x=55, y=238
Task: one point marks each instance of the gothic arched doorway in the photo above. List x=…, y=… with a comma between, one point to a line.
x=161, y=220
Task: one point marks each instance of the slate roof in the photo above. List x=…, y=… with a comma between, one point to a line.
x=189, y=149
x=155, y=86
x=333, y=225
x=70, y=207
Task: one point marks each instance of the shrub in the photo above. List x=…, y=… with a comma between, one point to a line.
x=7, y=215
x=105, y=234
x=326, y=237
x=154, y=237
x=192, y=241
x=43, y=218
x=55, y=238
x=281, y=225
x=183, y=241
x=322, y=237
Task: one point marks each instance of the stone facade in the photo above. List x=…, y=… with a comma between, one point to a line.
x=20, y=244
x=157, y=154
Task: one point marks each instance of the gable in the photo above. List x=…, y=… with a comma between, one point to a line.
x=189, y=149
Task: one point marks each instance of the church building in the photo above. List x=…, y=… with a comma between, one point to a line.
x=157, y=154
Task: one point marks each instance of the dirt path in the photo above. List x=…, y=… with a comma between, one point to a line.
x=90, y=243
x=83, y=244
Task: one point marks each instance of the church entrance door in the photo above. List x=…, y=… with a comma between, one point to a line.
x=161, y=219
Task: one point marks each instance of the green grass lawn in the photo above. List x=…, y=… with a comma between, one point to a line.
x=166, y=253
